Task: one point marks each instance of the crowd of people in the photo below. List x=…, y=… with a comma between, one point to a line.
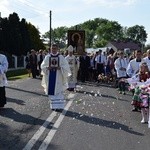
x=62, y=71
x=33, y=62
x=67, y=69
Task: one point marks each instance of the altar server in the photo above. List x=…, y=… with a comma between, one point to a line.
x=73, y=63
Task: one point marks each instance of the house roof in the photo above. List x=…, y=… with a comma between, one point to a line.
x=123, y=45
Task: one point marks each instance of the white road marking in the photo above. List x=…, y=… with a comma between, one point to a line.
x=37, y=135
x=52, y=132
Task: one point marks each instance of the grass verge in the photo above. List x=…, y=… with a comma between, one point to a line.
x=17, y=74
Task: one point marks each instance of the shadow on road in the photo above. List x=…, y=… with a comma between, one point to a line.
x=18, y=89
x=17, y=101
x=23, y=118
x=102, y=122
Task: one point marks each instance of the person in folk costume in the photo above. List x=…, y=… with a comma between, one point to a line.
x=140, y=97
x=147, y=58
x=3, y=79
x=120, y=66
x=133, y=68
x=56, y=70
x=73, y=63
x=109, y=66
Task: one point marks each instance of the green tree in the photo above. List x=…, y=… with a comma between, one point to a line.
x=147, y=47
x=15, y=38
x=109, y=31
x=89, y=34
x=34, y=34
x=100, y=31
x=138, y=34
x=4, y=34
x=25, y=36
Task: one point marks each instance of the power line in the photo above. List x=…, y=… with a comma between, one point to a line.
x=33, y=7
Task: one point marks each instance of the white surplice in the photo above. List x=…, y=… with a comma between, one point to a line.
x=3, y=70
x=147, y=60
x=133, y=67
x=73, y=64
x=121, y=63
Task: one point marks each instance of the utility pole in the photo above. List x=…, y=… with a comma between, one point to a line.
x=76, y=27
x=142, y=44
x=50, y=30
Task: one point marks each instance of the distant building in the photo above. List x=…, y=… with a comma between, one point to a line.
x=117, y=45
x=94, y=50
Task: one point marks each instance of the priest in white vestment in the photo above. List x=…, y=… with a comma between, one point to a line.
x=3, y=79
x=73, y=63
x=56, y=70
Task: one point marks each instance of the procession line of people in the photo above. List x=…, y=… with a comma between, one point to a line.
x=60, y=73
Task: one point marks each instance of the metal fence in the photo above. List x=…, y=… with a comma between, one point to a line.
x=16, y=62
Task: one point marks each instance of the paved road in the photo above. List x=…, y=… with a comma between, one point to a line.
x=95, y=118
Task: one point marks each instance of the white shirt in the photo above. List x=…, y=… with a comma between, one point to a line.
x=121, y=63
x=147, y=60
x=100, y=59
x=133, y=67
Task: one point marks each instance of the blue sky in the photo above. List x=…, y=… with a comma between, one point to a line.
x=71, y=12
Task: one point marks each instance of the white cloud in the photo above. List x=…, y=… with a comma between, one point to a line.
x=4, y=7
x=110, y=3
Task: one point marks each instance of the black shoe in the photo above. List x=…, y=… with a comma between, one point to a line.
x=123, y=93
x=68, y=89
x=71, y=89
x=59, y=110
x=135, y=109
x=1, y=107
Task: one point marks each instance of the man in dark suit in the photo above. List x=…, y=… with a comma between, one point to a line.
x=33, y=63
x=84, y=67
